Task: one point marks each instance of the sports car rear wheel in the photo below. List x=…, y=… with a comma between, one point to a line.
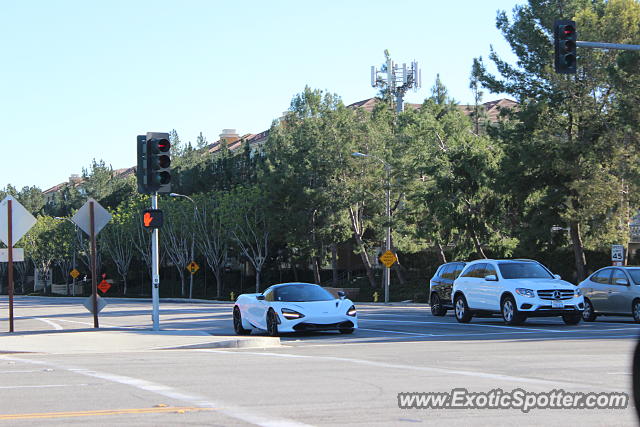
x=237, y=323
x=346, y=330
x=272, y=324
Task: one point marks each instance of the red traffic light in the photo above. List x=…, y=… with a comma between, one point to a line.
x=565, y=43
x=159, y=145
x=164, y=145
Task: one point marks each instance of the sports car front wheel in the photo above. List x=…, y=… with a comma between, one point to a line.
x=237, y=323
x=272, y=324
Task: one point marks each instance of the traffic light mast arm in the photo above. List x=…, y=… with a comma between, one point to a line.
x=599, y=45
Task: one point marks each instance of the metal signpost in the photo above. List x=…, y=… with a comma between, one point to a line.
x=92, y=218
x=15, y=221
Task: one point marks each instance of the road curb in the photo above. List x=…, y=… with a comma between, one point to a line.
x=257, y=342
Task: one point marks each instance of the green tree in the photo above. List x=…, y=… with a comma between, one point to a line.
x=564, y=151
x=305, y=154
x=244, y=211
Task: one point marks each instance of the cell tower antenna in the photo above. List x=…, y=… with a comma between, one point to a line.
x=398, y=79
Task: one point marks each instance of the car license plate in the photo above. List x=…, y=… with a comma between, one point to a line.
x=557, y=304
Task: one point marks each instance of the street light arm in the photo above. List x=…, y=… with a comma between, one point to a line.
x=358, y=154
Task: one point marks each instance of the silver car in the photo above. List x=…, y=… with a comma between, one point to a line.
x=612, y=291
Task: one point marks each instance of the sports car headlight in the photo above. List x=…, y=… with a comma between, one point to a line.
x=291, y=314
x=525, y=292
x=352, y=311
x=577, y=293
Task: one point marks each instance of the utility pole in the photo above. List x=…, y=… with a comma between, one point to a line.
x=398, y=79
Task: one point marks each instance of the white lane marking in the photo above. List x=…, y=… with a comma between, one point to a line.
x=101, y=324
x=396, y=332
x=9, y=387
x=238, y=413
x=486, y=375
x=49, y=322
x=461, y=324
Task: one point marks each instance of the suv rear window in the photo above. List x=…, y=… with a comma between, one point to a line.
x=523, y=270
x=446, y=271
x=458, y=269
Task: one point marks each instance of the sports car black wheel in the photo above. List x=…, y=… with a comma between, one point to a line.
x=346, y=330
x=237, y=323
x=272, y=324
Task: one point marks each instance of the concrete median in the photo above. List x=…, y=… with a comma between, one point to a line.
x=116, y=341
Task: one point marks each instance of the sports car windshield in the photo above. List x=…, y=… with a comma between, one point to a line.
x=301, y=293
x=523, y=270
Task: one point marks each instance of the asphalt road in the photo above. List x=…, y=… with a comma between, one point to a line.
x=312, y=379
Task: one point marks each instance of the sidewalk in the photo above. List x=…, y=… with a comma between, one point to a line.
x=116, y=341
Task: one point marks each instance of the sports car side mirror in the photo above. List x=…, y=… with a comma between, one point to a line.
x=491, y=278
x=260, y=297
x=341, y=295
x=557, y=276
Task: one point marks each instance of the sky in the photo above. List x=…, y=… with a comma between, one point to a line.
x=80, y=79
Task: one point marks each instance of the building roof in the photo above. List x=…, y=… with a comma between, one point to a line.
x=492, y=107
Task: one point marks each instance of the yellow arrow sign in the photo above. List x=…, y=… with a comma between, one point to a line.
x=193, y=267
x=74, y=273
x=388, y=258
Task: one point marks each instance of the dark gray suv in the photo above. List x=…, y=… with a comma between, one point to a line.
x=440, y=287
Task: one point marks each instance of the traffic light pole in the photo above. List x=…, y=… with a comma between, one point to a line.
x=155, y=268
x=599, y=45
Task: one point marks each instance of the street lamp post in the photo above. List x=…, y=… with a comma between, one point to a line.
x=73, y=283
x=387, y=168
x=193, y=237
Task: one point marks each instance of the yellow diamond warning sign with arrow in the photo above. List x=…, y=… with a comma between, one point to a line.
x=388, y=258
x=192, y=267
x=74, y=273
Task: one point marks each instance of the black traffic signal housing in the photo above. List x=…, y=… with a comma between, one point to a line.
x=141, y=168
x=152, y=218
x=154, y=163
x=159, y=162
x=564, y=42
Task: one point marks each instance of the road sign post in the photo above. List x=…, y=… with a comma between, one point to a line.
x=388, y=259
x=94, y=283
x=17, y=221
x=10, y=259
x=91, y=218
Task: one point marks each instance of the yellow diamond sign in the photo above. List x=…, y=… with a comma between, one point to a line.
x=74, y=273
x=193, y=267
x=388, y=258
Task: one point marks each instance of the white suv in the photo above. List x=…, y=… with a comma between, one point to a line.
x=517, y=289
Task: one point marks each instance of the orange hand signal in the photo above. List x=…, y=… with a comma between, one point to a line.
x=147, y=219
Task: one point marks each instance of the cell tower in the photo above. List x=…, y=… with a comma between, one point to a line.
x=398, y=80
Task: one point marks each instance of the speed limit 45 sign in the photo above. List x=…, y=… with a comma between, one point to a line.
x=617, y=253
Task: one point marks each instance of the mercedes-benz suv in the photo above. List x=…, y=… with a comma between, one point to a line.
x=516, y=289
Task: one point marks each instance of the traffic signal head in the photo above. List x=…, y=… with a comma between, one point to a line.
x=564, y=40
x=154, y=163
x=159, y=162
